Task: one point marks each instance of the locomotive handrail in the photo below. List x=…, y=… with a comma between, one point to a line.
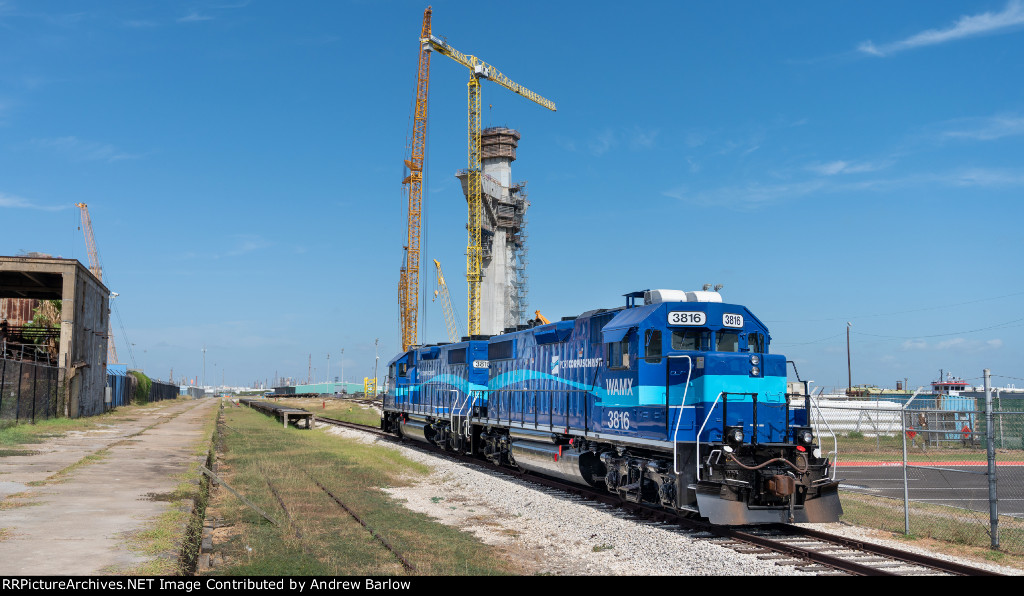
x=455, y=404
x=835, y=442
x=451, y=417
x=682, y=404
x=494, y=408
x=706, y=418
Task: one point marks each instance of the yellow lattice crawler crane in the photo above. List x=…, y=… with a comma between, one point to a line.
x=409, y=278
x=94, y=267
x=446, y=303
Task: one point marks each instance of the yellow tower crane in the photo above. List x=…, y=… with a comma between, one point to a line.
x=94, y=267
x=478, y=69
x=409, y=277
x=446, y=303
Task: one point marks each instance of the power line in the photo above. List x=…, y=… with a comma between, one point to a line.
x=811, y=342
x=996, y=326
x=899, y=312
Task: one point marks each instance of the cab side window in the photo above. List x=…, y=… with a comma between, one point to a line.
x=618, y=354
x=652, y=346
x=755, y=342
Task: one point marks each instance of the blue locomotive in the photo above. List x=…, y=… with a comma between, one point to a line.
x=673, y=400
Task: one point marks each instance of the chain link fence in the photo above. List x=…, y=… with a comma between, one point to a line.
x=29, y=391
x=932, y=466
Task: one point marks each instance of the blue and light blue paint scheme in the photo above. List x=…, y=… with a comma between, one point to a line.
x=676, y=400
x=560, y=376
x=437, y=380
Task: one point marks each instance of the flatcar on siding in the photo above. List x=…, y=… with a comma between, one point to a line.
x=674, y=399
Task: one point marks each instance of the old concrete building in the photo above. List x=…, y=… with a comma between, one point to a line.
x=84, y=323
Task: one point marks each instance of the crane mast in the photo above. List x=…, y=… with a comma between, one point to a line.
x=94, y=267
x=478, y=70
x=409, y=278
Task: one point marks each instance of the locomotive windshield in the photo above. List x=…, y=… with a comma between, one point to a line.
x=727, y=341
x=690, y=339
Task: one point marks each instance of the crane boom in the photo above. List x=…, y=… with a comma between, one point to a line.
x=97, y=270
x=446, y=303
x=478, y=70
x=409, y=280
x=486, y=71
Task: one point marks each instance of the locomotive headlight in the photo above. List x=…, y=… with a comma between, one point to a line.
x=754, y=359
x=754, y=371
x=734, y=435
x=804, y=436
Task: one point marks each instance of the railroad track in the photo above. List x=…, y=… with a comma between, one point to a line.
x=807, y=549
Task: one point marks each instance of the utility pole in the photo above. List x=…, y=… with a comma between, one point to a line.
x=849, y=374
x=343, y=366
x=328, y=367
x=309, y=374
x=204, y=366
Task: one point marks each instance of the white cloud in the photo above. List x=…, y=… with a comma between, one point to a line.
x=747, y=197
x=603, y=142
x=985, y=129
x=635, y=138
x=986, y=177
x=15, y=202
x=82, y=150
x=844, y=167
x=247, y=243
x=915, y=344
x=957, y=344
x=194, y=17
x=985, y=23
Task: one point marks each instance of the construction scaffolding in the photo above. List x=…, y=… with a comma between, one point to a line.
x=504, y=282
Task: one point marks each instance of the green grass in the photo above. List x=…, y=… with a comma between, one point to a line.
x=332, y=542
x=952, y=526
x=340, y=409
x=27, y=434
x=890, y=449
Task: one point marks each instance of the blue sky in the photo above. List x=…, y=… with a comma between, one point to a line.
x=242, y=162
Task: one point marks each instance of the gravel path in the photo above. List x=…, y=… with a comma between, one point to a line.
x=553, y=533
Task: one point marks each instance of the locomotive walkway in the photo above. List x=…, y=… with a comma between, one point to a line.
x=81, y=521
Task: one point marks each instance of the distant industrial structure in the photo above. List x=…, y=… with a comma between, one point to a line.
x=73, y=340
x=504, y=282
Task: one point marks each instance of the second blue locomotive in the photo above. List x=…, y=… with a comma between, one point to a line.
x=674, y=399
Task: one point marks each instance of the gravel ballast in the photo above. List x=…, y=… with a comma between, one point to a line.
x=551, y=532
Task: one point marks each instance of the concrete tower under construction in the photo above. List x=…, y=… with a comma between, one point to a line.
x=504, y=285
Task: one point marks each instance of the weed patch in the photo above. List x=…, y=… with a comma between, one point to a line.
x=322, y=538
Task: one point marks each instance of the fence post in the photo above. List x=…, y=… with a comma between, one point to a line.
x=906, y=485
x=35, y=390
x=3, y=382
x=990, y=446
x=17, y=409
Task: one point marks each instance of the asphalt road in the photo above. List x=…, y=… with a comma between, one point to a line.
x=942, y=484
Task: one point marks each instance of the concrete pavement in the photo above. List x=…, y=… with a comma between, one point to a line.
x=80, y=523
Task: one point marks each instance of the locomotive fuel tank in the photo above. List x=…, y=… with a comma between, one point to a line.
x=560, y=461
